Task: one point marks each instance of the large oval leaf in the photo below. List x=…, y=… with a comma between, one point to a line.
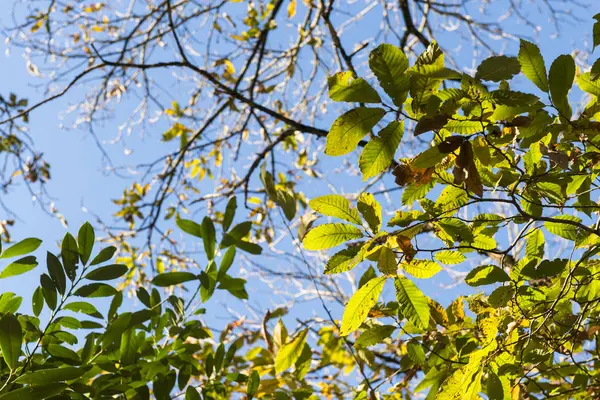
x=360, y=304
x=379, y=153
x=334, y=205
x=330, y=235
x=532, y=64
x=389, y=65
x=413, y=303
x=350, y=128
x=289, y=353
x=344, y=86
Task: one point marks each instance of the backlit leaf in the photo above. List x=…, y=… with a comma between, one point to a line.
x=350, y=128
x=360, y=304
x=344, y=86
x=330, y=235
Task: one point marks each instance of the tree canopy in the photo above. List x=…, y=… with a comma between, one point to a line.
x=423, y=168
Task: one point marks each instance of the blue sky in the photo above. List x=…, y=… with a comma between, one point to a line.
x=78, y=178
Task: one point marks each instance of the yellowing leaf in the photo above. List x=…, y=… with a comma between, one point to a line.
x=370, y=209
x=334, y=205
x=422, y=269
x=585, y=83
x=330, y=235
x=413, y=303
x=344, y=86
x=375, y=334
x=360, y=304
x=566, y=229
x=378, y=154
x=450, y=257
x=289, y=353
x=291, y=10
x=350, y=128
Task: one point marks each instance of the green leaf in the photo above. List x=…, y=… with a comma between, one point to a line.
x=35, y=392
x=426, y=124
x=107, y=273
x=45, y=376
x=386, y=262
x=595, y=71
x=360, y=304
x=416, y=353
x=48, y=290
x=330, y=235
x=535, y=244
x=486, y=275
x=498, y=68
x=69, y=253
x=19, y=267
x=344, y=86
x=422, y=269
x=564, y=229
x=429, y=158
x=344, y=260
x=495, y=389
x=596, y=32
x=290, y=352
x=96, y=290
x=56, y=272
x=11, y=338
x=450, y=257
x=173, y=278
x=334, y=205
x=191, y=393
x=105, y=254
x=66, y=354
x=348, y=129
x=464, y=127
x=532, y=65
x=287, y=202
x=37, y=301
x=389, y=65
x=379, y=153
x=85, y=241
x=229, y=213
x=226, y=262
x=127, y=348
x=562, y=74
x=253, y=384
x=209, y=237
x=10, y=302
x=374, y=335
x=23, y=247
x=413, y=303
x=588, y=85
x=83, y=307
x=370, y=209
x=189, y=226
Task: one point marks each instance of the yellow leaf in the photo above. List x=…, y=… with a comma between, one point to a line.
x=291, y=9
